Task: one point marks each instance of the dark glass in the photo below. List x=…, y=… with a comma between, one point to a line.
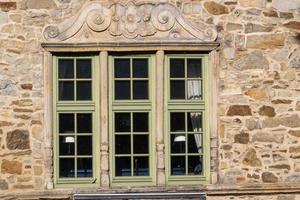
x=66, y=123
x=177, y=68
x=177, y=89
x=177, y=165
x=84, y=68
x=123, y=144
x=84, y=90
x=84, y=167
x=66, y=90
x=66, y=145
x=177, y=122
x=140, y=144
x=194, y=165
x=66, y=167
x=140, y=68
x=140, y=122
x=140, y=89
x=122, y=90
x=123, y=166
x=141, y=166
x=122, y=122
x=122, y=68
x=194, y=68
x=194, y=122
x=177, y=143
x=84, y=145
x=65, y=68
x=84, y=123
x=193, y=139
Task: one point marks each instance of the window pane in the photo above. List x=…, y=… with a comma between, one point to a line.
x=177, y=165
x=84, y=90
x=122, y=68
x=84, y=123
x=194, y=143
x=178, y=122
x=84, y=145
x=194, y=68
x=140, y=122
x=84, y=68
x=141, y=166
x=177, y=143
x=123, y=166
x=122, y=90
x=177, y=89
x=66, y=167
x=66, y=123
x=177, y=68
x=194, y=89
x=140, y=68
x=194, y=165
x=84, y=167
x=194, y=121
x=140, y=144
x=140, y=89
x=123, y=144
x=66, y=90
x=122, y=122
x=66, y=145
x=65, y=68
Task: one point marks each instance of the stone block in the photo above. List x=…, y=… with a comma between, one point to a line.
x=215, y=8
x=253, y=3
x=3, y=184
x=253, y=60
x=286, y=6
x=239, y=110
x=252, y=28
x=265, y=41
x=3, y=18
x=251, y=159
x=7, y=6
x=40, y=4
x=11, y=167
x=17, y=139
x=268, y=137
x=269, y=177
x=267, y=111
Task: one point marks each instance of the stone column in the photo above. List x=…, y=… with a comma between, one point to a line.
x=161, y=177
x=104, y=153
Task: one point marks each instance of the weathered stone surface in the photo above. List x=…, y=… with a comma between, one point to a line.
x=17, y=139
x=295, y=59
x=216, y=8
x=239, y=110
x=40, y=4
x=253, y=60
x=286, y=15
x=7, y=88
x=267, y=111
x=269, y=177
x=251, y=28
x=257, y=94
x=265, y=41
x=292, y=121
x=233, y=27
x=295, y=133
x=281, y=166
x=37, y=132
x=37, y=170
x=268, y=137
x=11, y=167
x=286, y=6
x=242, y=138
x=3, y=18
x=251, y=159
x=271, y=13
x=6, y=6
x=26, y=86
x=22, y=186
x=22, y=102
x=3, y=184
x=5, y=123
x=294, y=149
x=282, y=101
x=252, y=3
x=22, y=110
x=251, y=124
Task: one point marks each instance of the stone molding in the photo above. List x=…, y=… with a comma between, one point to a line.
x=97, y=22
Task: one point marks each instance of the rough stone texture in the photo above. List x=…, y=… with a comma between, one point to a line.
x=293, y=25
x=285, y=6
x=295, y=133
x=267, y=111
x=252, y=3
x=215, y=8
x=251, y=159
x=241, y=110
x=254, y=60
x=251, y=28
x=3, y=184
x=267, y=137
x=40, y=4
x=265, y=41
x=17, y=139
x=257, y=94
x=269, y=177
x=11, y=167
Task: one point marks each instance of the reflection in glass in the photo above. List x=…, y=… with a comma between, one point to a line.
x=122, y=90
x=122, y=144
x=140, y=89
x=122, y=68
x=66, y=167
x=141, y=166
x=84, y=123
x=65, y=68
x=140, y=144
x=84, y=167
x=177, y=68
x=84, y=145
x=140, y=68
x=123, y=166
x=66, y=90
x=177, y=165
x=122, y=122
x=177, y=122
x=140, y=122
x=194, y=165
x=66, y=123
x=83, y=68
x=177, y=89
x=84, y=90
x=194, y=68
x=66, y=145
x=177, y=143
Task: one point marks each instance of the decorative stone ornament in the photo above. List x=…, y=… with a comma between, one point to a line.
x=146, y=21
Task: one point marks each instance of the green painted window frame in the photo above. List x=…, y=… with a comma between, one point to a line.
x=201, y=105
x=131, y=106
x=88, y=106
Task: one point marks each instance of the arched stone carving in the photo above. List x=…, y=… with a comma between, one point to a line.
x=151, y=21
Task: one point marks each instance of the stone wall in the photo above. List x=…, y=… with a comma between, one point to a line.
x=258, y=90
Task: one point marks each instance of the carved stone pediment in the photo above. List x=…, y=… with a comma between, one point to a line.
x=97, y=22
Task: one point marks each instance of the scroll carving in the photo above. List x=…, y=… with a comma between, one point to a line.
x=131, y=21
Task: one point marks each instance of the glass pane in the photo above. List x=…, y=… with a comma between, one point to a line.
x=177, y=165
x=140, y=122
x=84, y=145
x=195, y=165
x=177, y=68
x=122, y=122
x=66, y=167
x=123, y=144
x=140, y=89
x=84, y=68
x=84, y=123
x=177, y=122
x=140, y=144
x=140, y=68
x=141, y=166
x=122, y=68
x=194, y=89
x=194, y=121
x=84, y=90
x=194, y=68
x=194, y=143
x=123, y=166
x=122, y=90
x=84, y=167
x=177, y=143
x=66, y=145
x=66, y=90
x=66, y=123
x=65, y=68
x=177, y=89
